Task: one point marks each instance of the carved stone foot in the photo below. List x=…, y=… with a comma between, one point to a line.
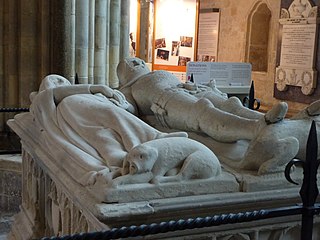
x=310, y=112
x=314, y=108
x=277, y=113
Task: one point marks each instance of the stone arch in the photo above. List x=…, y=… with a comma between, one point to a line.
x=257, y=39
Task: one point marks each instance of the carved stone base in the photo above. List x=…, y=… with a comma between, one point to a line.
x=140, y=192
x=52, y=208
x=56, y=204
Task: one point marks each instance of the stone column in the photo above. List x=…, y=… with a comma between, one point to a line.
x=91, y=62
x=124, y=29
x=100, y=41
x=107, y=26
x=2, y=24
x=59, y=31
x=71, y=38
x=43, y=40
x=2, y=124
x=63, y=38
x=28, y=48
x=25, y=35
x=9, y=83
x=82, y=40
x=146, y=31
x=114, y=47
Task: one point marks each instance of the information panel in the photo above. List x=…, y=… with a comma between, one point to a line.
x=225, y=74
x=208, y=32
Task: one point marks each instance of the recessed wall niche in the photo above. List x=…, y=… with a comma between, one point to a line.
x=258, y=37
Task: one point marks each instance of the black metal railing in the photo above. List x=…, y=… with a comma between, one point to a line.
x=9, y=141
x=14, y=109
x=309, y=193
x=250, y=101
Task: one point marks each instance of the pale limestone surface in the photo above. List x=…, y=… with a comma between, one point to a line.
x=111, y=148
x=62, y=177
x=169, y=160
x=271, y=142
x=184, y=106
x=279, y=143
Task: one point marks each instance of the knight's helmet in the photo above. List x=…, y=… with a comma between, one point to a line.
x=130, y=69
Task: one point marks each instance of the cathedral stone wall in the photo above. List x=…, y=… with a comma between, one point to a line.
x=233, y=41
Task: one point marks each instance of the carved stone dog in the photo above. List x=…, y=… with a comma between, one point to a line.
x=168, y=160
x=276, y=145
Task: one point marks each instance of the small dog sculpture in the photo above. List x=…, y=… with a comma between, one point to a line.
x=168, y=160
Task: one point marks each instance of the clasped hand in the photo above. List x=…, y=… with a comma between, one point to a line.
x=113, y=95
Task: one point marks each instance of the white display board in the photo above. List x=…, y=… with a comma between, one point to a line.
x=208, y=33
x=225, y=74
x=175, y=34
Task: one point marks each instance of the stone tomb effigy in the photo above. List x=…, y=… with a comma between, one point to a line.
x=55, y=204
x=89, y=164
